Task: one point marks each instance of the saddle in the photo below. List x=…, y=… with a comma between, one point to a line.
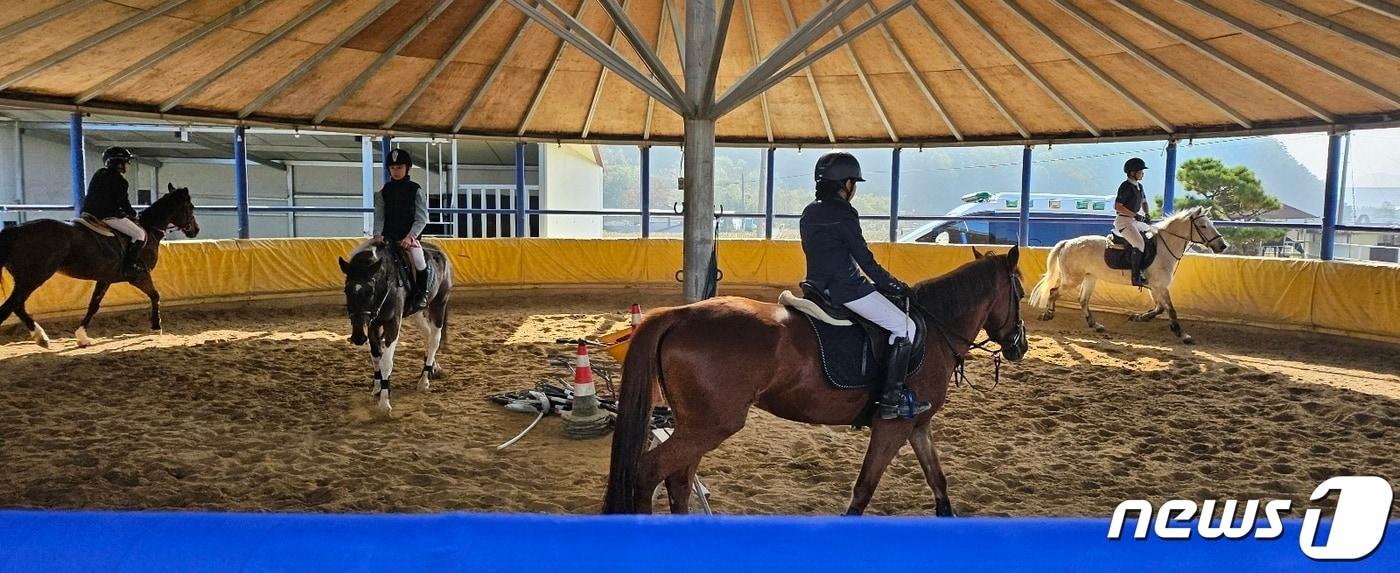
x=403, y=266
x=1117, y=254
x=853, y=350
x=95, y=225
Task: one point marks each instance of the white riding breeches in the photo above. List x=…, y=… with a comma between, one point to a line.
x=1132, y=230
x=126, y=227
x=875, y=308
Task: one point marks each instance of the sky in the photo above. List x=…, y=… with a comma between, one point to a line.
x=1375, y=156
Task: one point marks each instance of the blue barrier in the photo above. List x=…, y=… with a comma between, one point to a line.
x=89, y=542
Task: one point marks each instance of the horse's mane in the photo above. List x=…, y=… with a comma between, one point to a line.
x=160, y=212
x=954, y=293
x=1179, y=215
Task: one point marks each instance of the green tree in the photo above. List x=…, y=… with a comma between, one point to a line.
x=1229, y=193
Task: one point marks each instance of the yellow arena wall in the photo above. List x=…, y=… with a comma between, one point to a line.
x=1356, y=299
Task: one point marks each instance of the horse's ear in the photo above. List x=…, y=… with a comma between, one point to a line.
x=170, y=187
x=344, y=266
x=976, y=254
x=1013, y=256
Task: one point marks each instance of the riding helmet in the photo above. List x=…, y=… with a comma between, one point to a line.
x=116, y=154
x=1134, y=164
x=400, y=156
x=837, y=166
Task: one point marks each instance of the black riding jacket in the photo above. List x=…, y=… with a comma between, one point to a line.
x=833, y=244
x=107, y=196
x=401, y=209
x=1131, y=195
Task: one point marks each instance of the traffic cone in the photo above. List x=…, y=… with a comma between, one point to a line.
x=584, y=419
x=636, y=315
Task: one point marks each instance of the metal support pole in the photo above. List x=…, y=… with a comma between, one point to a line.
x=367, y=183
x=240, y=180
x=894, y=196
x=520, y=206
x=768, y=208
x=75, y=150
x=1169, y=185
x=1025, y=230
x=386, y=144
x=699, y=231
x=646, y=191
x=452, y=202
x=1331, y=194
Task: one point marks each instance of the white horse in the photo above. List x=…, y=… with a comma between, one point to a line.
x=1080, y=262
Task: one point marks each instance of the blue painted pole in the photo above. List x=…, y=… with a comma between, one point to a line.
x=1169, y=185
x=768, y=195
x=386, y=145
x=646, y=191
x=1331, y=193
x=78, y=161
x=240, y=181
x=1025, y=228
x=894, y=196
x=520, y=230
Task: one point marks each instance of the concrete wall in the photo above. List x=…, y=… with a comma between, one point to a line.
x=572, y=180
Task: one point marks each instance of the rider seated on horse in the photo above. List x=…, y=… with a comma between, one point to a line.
x=400, y=215
x=1134, y=217
x=834, y=244
x=107, y=200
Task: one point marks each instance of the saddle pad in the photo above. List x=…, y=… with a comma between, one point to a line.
x=1116, y=255
x=95, y=226
x=847, y=357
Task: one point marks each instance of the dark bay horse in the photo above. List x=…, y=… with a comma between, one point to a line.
x=376, y=299
x=34, y=251
x=716, y=358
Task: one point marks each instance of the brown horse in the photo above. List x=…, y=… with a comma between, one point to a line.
x=34, y=251
x=723, y=355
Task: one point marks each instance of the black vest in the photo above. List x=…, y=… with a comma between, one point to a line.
x=400, y=198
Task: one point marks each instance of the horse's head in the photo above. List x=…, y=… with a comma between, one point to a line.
x=174, y=209
x=1004, y=324
x=365, y=292
x=1195, y=226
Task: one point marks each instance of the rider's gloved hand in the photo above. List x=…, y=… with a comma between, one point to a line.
x=897, y=288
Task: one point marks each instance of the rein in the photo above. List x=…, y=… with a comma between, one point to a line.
x=960, y=365
x=1190, y=238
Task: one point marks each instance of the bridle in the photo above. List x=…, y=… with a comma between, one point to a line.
x=959, y=370
x=369, y=315
x=1189, y=238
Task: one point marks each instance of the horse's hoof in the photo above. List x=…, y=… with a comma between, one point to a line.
x=1099, y=328
x=81, y=335
x=157, y=332
x=1186, y=339
x=437, y=372
x=1047, y=315
x=39, y=336
x=943, y=508
x=851, y=512
x=423, y=384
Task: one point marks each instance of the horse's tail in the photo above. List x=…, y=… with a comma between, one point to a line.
x=7, y=238
x=639, y=372
x=1040, y=295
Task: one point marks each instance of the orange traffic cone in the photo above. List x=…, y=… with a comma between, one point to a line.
x=585, y=419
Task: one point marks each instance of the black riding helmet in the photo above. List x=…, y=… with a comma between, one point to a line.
x=116, y=155
x=1134, y=164
x=837, y=166
x=400, y=156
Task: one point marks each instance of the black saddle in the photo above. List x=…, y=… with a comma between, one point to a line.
x=853, y=357
x=403, y=266
x=1116, y=256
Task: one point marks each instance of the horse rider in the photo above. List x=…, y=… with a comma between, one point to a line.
x=400, y=215
x=834, y=245
x=107, y=199
x=1134, y=216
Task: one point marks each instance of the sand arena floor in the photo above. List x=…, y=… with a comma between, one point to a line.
x=265, y=407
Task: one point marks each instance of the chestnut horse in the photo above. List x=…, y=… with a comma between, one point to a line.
x=715, y=358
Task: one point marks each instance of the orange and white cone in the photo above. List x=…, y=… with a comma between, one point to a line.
x=636, y=315
x=584, y=419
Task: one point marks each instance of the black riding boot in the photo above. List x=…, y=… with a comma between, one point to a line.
x=896, y=401
x=1139, y=278
x=132, y=266
x=418, y=299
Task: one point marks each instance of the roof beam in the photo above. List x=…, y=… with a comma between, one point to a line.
x=677, y=30
x=253, y=50
x=1025, y=67
x=916, y=76
x=315, y=59
x=640, y=45
x=1288, y=48
x=602, y=53
x=393, y=50
x=554, y=64
x=726, y=13
x=753, y=49
x=869, y=91
x=1335, y=27
x=209, y=142
x=1378, y=6
x=147, y=62
x=441, y=64
x=811, y=80
x=1152, y=62
x=734, y=98
x=968, y=70
x=43, y=17
x=490, y=78
x=1214, y=54
x=651, y=103
x=603, y=74
x=106, y=34
x=1089, y=66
